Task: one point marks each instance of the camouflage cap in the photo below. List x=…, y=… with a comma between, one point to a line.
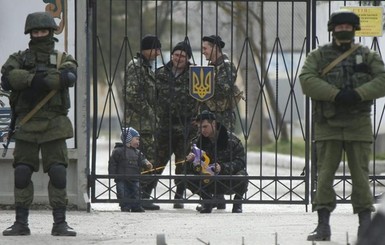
x=39, y=20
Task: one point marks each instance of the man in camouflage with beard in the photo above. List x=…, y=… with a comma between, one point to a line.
x=32, y=75
x=176, y=112
x=139, y=97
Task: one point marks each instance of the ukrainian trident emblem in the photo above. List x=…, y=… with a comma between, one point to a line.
x=202, y=82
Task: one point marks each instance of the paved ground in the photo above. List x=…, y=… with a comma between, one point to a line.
x=258, y=224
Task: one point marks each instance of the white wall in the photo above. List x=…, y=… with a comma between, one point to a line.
x=12, y=21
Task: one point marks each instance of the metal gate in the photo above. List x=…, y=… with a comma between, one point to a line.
x=266, y=40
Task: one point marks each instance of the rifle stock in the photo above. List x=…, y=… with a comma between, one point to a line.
x=11, y=131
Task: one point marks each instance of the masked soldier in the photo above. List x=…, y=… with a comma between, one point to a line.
x=342, y=98
x=30, y=75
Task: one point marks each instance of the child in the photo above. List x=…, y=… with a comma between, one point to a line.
x=126, y=159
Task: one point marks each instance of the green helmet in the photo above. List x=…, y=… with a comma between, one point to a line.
x=344, y=17
x=39, y=20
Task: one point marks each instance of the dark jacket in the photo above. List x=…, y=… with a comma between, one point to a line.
x=227, y=150
x=126, y=161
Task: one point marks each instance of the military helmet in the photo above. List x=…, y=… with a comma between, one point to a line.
x=344, y=17
x=39, y=20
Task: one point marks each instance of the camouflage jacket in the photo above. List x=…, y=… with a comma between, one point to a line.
x=139, y=95
x=51, y=121
x=174, y=100
x=363, y=71
x=227, y=150
x=224, y=82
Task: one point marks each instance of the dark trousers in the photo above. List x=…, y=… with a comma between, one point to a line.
x=127, y=192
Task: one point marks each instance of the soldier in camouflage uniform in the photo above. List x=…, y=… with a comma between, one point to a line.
x=30, y=75
x=226, y=154
x=342, y=100
x=176, y=111
x=226, y=93
x=223, y=102
x=139, y=96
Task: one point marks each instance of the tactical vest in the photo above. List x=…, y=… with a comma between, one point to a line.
x=59, y=103
x=347, y=74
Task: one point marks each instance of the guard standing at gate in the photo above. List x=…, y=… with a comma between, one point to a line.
x=342, y=92
x=34, y=75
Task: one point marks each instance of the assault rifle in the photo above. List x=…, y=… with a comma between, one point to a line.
x=11, y=131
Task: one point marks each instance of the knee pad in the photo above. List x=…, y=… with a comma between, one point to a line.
x=58, y=176
x=23, y=174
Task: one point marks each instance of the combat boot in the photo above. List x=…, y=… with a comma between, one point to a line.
x=206, y=209
x=322, y=232
x=20, y=227
x=179, y=196
x=221, y=201
x=237, y=207
x=146, y=196
x=60, y=226
x=364, y=219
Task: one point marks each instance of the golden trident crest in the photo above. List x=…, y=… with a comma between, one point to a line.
x=202, y=82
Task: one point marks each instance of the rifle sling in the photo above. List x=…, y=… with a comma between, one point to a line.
x=339, y=59
x=36, y=108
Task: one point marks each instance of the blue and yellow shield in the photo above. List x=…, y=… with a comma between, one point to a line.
x=202, y=82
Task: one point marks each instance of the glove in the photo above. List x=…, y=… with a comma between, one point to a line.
x=347, y=97
x=38, y=88
x=68, y=77
x=39, y=83
x=5, y=83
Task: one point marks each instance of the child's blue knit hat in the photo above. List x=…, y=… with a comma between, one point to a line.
x=127, y=134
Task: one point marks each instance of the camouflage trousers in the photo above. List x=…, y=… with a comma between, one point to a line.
x=175, y=139
x=147, y=146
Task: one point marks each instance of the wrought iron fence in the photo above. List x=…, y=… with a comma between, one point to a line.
x=267, y=41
